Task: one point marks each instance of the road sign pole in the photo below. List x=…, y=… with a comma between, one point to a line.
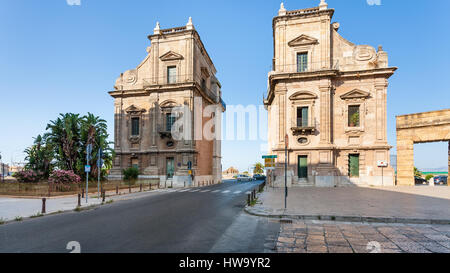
x=87, y=186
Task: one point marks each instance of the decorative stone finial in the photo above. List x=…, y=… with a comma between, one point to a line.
x=282, y=10
x=323, y=5
x=189, y=24
x=380, y=48
x=157, y=29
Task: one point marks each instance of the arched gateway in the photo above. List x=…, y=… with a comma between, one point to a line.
x=414, y=129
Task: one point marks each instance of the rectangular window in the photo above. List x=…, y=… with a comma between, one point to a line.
x=170, y=120
x=135, y=163
x=302, y=62
x=203, y=84
x=353, y=165
x=353, y=116
x=302, y=117
x=171, y=74
x=135, y=126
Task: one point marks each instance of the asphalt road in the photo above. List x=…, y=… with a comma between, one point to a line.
x=177, y=222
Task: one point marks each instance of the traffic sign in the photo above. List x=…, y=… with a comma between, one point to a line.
x=87, y=168
x=382, y=164
x=269, y=156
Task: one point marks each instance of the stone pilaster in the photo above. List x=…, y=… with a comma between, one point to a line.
x=405, y=161
x=325, y=113
x=381, y=115
x=448, y=183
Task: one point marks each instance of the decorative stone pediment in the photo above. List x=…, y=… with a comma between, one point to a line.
x=169, y=104
x=355, y=94
x=171, y=56
x=205, y=72
x=303, y=40
x=303, y=95
x=135, y=110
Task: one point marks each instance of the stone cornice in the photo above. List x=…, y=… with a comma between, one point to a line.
x=288, y=76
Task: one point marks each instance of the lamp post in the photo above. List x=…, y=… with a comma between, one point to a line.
x=285, y=170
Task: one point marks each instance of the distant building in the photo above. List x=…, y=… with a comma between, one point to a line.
x=230, y=173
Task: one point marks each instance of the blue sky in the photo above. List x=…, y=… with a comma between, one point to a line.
x=56, y=58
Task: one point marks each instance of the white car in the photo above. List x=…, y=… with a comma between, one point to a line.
x=244, y=178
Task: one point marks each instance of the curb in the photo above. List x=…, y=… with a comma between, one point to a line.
x=352, y=219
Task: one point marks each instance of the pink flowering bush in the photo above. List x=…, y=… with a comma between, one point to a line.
x=64, y=177
x=27, y=176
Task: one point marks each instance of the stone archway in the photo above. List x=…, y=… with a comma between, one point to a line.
x=418, y=128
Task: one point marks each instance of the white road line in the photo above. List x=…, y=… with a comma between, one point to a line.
x=226, y=192
x=237, y=192
x=205, y=191
x=195, y=191
x=249, y=192
x=185, y=191
x=215, y=191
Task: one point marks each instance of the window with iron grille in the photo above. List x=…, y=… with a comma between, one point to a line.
x=302, y=62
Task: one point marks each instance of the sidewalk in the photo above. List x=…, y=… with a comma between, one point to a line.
x=421, y=205
x=10, y=208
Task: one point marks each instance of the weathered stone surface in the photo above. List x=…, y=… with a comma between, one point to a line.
x=332, y=76
x=418, y=128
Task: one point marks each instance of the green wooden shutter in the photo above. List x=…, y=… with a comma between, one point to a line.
x=354, y=165
x=303, y=167
x=305, y=117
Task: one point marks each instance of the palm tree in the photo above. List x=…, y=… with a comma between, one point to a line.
x=259, y=168
x=64, y=135
x=94, y=131
x=39, y=157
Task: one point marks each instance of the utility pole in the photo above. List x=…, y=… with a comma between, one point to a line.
x=3, y=169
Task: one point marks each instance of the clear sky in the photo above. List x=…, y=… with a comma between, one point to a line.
x=57, y=58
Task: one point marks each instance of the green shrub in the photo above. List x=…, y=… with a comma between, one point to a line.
x=130, y=174
x=428, y=177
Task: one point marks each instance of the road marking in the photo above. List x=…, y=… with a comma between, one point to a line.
x=185, y=191
x=226, y=192
x=215, y=191
x=205, y=191
x=237, y=192
x=249, y=192
x=195, y=191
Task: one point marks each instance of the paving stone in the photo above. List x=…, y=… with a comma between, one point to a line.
x=339, y=249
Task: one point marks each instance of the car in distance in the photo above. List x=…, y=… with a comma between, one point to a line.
x=244, y=178
x=441, y=180
x=259, y=177
x=420, y=181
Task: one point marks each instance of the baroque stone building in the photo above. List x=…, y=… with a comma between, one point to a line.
x=328, y=96
x=176, y=73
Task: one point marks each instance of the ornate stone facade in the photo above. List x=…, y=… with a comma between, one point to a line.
x=328, y=96
x=419, y=128
x=177, y=72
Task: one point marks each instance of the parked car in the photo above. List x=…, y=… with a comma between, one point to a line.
x=259, y=177
x=244, y=178
x=441, y=180
x=420, y=180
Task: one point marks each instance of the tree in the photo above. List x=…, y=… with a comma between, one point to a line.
x=39, y=157
x=64, y=135
x=259, y=168
x=63, y=146
x=95, y=131
x=417, y=172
